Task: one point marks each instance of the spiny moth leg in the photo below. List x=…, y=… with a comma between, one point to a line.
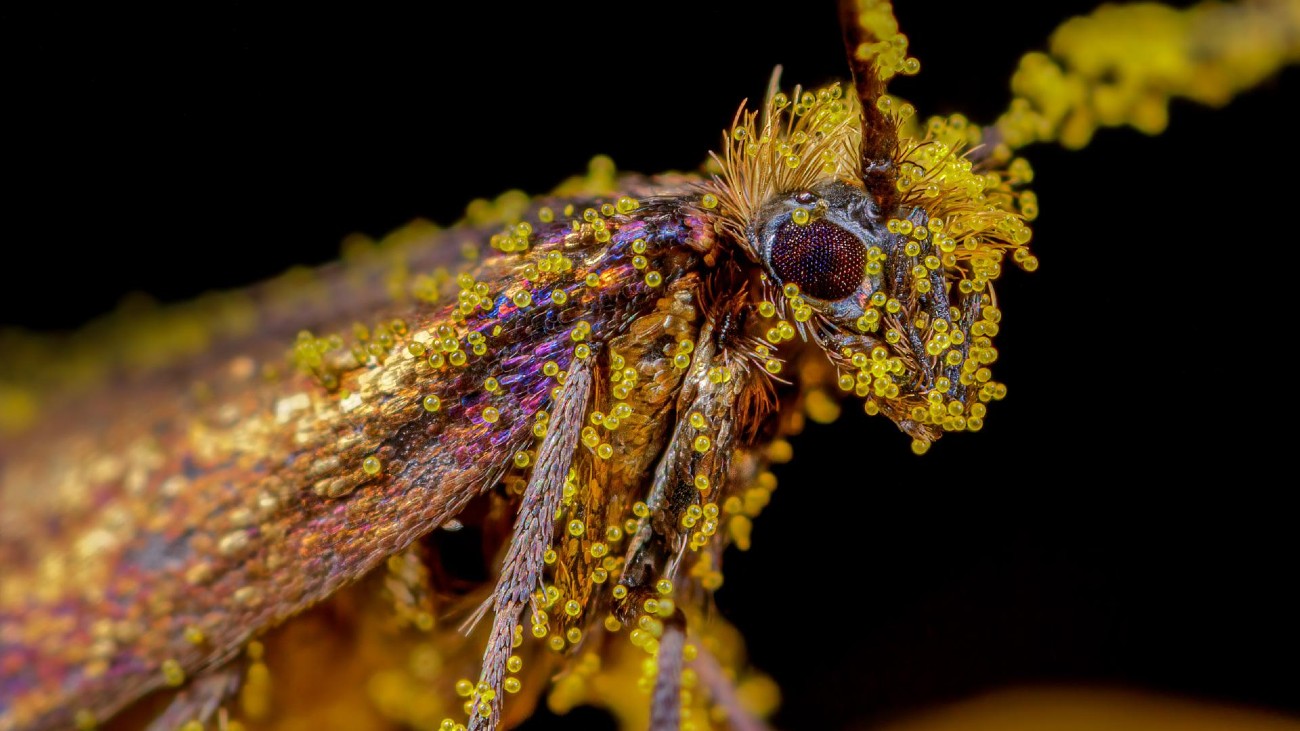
x=697, y=460
x=694, y=470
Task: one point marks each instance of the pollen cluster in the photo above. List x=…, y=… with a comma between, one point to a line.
x=1123, y=64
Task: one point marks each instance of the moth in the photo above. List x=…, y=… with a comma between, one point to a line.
x=595, y=390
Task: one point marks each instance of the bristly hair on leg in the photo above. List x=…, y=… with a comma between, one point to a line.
x=201, y=700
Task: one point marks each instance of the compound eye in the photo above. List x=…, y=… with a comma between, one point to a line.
x=826, y=261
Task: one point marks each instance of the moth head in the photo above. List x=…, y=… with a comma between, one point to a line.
x=877, y=244
x=870, y=290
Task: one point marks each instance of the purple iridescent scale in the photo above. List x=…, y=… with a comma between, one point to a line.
x=522, y=341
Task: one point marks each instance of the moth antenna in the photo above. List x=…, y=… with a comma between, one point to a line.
x=522, y=569
x=863, y=22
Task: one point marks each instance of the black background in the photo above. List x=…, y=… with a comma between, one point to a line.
x=1132, y=531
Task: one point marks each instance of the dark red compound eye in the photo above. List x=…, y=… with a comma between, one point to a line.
x=826, y=261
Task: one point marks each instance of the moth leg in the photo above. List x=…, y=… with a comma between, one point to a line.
x=200, y=700
x=964, y=385
x=521, y=572
x=938, y=304
x=923, y=292
x=666, y=703
x=722, y=398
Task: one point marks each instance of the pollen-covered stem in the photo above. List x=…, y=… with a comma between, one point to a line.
x=522, y=569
